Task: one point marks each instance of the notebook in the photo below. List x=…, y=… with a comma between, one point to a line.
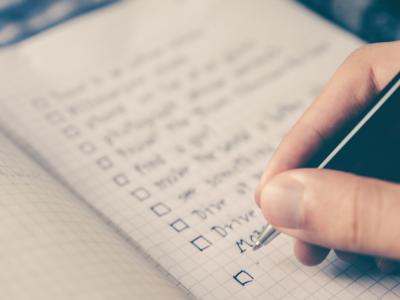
x=132, y=140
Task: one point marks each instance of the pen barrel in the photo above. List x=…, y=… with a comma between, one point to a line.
x=371, y=147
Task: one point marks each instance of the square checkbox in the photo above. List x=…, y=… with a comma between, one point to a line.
x=87, y=148
x=201, y=243
x=104, y=163
x=121, y=180
x=54, y=117
x=179, y=225
x=243, y=277
x=141, y=194
x=160, y=209
x=71, y=132
x=40, y=103
x=116, y=73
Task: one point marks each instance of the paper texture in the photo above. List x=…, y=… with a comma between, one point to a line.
x=54, y=247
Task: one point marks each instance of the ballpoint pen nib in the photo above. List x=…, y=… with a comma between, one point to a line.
x=257, y=245
x=266, y=236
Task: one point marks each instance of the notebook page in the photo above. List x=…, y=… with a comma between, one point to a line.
x=162, y=116
x=54, y=247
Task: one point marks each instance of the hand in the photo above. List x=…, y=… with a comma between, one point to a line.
x=326, y=209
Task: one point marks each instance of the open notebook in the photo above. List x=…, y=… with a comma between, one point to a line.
x=133, y=141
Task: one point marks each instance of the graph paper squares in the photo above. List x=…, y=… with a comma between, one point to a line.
x=160, y=209
x=141, y=194
x=87, y=148
x=40, y=103
x=121, y=180
x=71, y=132
x=226, y=262
x=105, y=163
x=201, y=243
x=179, y=225
x=243, y=277
x=54, y=118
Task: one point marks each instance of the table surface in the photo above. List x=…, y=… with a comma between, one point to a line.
x=20, y=19
x=372, y=20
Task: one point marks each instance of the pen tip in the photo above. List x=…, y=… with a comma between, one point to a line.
x=257, y=245
x=267, y=236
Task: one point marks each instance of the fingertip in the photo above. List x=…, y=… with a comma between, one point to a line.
x=257, y=195
x=261, y=184
x=308, y=254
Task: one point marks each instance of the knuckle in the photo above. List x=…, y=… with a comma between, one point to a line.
x=355, y=55
x=309, y=220
x=354, y=237
x=360, y=56
x=361, y=51
x=363, y=221
x=305, y=217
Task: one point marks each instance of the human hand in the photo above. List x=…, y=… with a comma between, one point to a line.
x=326, y=209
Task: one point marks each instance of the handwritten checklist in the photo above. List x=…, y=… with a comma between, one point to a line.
x=169, y=140
x=243, y=277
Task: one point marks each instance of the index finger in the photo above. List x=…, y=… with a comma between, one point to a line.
x=357, y=81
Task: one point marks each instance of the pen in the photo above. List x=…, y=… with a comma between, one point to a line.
x=368, y=146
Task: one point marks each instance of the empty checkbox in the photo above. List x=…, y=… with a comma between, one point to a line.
x=71, y=132
x=54, y=117
x=201, y=243
x=121, y=180
x=243, y=277
x=40, y=103
x=116, y=73
x=179, y=225
x=87, y=148
x=141, y=194
x=160, y=209
x=104, y=163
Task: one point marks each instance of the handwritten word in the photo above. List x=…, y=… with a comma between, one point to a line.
x=172, y=178
x=225, y=229
x=212, y=209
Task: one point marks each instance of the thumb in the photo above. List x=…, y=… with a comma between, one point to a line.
x=335, y=210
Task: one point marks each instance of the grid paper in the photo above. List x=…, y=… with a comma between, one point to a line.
x=168, y=136
x=54, y=247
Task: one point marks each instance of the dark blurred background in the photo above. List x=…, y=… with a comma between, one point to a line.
x=20, y=19
x=372, y=20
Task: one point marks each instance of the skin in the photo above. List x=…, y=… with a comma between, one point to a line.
x=369, y=209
